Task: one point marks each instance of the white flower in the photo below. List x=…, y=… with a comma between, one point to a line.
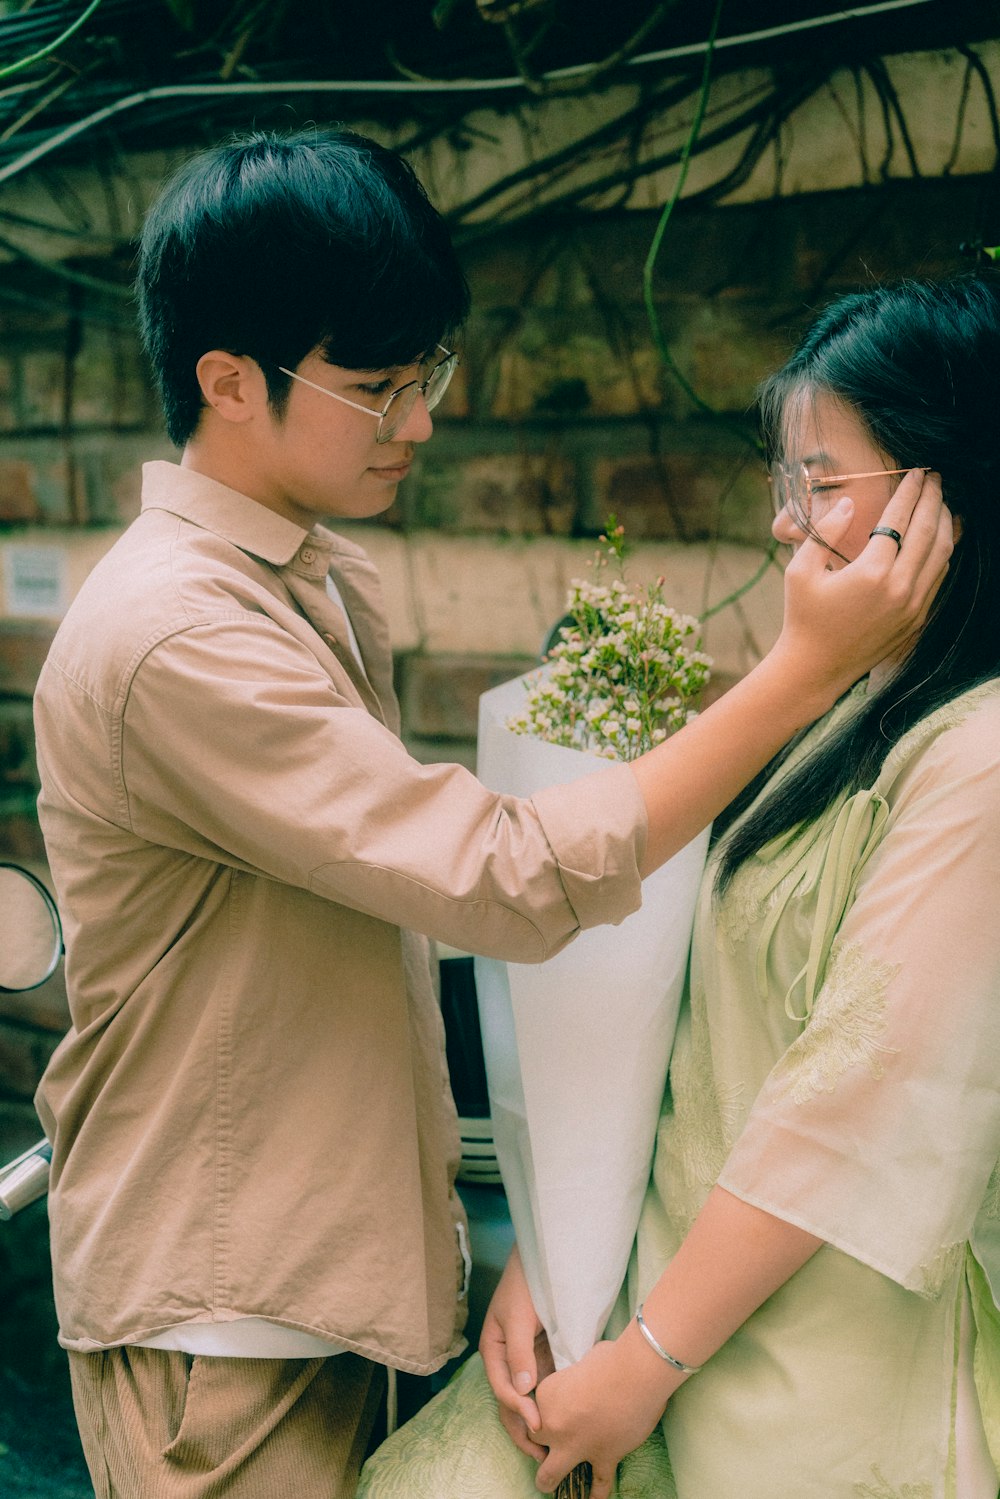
x=622, y=675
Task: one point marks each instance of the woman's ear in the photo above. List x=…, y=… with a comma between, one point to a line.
x=232, y=385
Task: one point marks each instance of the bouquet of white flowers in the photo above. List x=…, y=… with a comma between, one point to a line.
x=623, y=670
x=577, y=1048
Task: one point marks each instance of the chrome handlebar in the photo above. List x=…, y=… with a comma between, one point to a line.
x=25, y=1179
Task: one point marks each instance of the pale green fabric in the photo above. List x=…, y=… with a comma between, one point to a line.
x=456, y=1449
x=987, y=1355
x=837, y=1063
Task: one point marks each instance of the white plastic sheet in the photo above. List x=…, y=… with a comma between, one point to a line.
x=576, y=1058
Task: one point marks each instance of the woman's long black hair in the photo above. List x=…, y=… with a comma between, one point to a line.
x=919, y=363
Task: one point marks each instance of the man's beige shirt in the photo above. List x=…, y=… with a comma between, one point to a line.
x=250, y=1115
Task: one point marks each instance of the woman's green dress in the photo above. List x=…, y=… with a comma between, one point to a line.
x=837, y=1064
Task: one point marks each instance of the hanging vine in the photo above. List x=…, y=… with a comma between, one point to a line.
x=123, y=74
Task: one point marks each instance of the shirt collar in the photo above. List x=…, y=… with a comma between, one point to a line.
x=215, y=507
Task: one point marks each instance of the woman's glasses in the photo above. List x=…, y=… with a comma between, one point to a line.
x=794, y=489
x=396, y=412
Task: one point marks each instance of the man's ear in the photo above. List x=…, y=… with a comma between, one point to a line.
x=232, y=385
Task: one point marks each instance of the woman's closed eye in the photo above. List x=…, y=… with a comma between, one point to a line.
x=828, y=491
x=825, y=493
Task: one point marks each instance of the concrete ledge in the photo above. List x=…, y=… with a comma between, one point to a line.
x=472, y=595
x=489, y=596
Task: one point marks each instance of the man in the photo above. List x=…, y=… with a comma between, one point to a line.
x=252, y=1199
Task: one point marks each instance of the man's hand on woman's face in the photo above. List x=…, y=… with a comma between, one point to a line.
x=840, y=623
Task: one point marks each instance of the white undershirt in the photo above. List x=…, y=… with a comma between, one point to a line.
x=336, y=597
x=245, y=1337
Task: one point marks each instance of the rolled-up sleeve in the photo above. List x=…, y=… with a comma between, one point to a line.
x=235, y=745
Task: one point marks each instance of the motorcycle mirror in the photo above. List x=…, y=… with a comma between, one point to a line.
x=32, y=932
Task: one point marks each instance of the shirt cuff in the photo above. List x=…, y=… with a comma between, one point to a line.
x=596, y=827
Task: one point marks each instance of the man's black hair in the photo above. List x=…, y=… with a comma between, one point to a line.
x=275, y=246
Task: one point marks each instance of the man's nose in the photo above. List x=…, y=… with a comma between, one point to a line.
x=418, y=425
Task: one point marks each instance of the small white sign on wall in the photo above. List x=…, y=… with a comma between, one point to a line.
x=35, y=581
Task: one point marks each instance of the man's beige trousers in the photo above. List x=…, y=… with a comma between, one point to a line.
x=164, y=1425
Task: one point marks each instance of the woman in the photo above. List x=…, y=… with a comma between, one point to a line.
x=822, y=1227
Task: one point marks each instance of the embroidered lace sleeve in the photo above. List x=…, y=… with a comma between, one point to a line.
x=879, y=1127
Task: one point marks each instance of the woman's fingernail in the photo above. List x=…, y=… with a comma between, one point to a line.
x=522, y=1382
x=845, y=504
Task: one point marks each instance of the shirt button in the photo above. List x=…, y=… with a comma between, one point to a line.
x=307, y=555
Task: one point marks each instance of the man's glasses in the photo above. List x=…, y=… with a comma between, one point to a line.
x=396, y=412
x=795, y=490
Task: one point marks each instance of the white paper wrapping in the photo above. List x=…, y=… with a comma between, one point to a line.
x=576, y=1059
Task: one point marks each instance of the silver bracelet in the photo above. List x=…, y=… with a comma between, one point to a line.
x=668, y=1358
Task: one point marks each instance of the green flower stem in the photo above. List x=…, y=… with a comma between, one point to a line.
x=737, y=593
x=665, y=216
x=25, y=62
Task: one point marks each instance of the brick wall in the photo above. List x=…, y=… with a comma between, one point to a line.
x=562, y=410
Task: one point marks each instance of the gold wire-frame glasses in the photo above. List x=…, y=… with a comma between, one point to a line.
x=393, y=416
x=792, y=489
